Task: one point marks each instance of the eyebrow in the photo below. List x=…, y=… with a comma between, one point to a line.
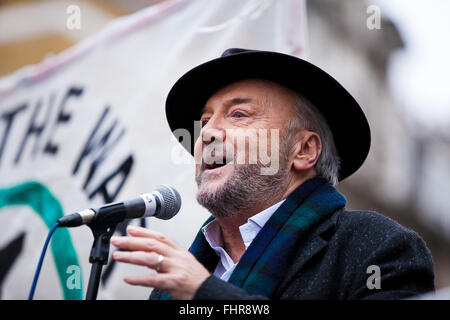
x=230, y=103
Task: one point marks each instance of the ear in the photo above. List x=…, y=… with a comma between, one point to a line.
x=307, y=150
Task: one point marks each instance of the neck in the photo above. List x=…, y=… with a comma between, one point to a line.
x=232, y=239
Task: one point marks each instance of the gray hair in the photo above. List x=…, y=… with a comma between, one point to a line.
x=308, y=117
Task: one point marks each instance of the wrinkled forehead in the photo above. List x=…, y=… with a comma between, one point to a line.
x=263, y=93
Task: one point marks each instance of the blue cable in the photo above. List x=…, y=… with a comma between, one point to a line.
x=41, y=259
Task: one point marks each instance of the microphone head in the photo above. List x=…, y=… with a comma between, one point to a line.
x=170, y=202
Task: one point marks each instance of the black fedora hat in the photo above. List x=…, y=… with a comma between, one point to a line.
x=343, y=114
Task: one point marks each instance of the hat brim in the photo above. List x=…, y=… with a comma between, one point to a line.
x=343, y=114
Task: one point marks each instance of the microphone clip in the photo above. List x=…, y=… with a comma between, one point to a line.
x=102, y=229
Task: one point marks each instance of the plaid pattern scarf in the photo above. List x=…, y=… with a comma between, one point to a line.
x=266, y=260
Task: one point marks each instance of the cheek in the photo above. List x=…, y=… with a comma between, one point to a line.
x=198, y=151
x=274, y=141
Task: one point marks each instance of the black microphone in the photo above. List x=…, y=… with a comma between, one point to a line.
x=163, y=203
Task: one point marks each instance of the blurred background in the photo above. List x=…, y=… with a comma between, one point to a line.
x=397, y=68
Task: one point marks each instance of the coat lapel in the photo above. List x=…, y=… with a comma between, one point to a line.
x=307, y=250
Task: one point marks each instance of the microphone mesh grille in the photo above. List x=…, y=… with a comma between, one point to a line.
x=170, y=202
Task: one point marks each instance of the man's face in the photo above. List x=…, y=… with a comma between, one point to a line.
x=243, y=126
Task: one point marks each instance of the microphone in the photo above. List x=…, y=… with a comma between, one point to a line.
x=163, y=203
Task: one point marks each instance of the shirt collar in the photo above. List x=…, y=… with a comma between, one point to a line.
x=249, y=230
x=261, y=218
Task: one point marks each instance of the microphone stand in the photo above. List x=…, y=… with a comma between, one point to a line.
x=102, y=229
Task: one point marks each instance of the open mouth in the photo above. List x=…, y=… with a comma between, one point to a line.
x=216, y=164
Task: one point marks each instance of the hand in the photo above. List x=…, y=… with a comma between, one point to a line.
x=179, y=273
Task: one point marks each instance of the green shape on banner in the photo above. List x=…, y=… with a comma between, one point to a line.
x=44, y=203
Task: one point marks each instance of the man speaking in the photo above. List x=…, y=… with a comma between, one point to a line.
x=277, y=134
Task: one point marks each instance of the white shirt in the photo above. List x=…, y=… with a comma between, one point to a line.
x=249, y=230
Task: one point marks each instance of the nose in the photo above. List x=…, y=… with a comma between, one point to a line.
x=213, y=132
x=212, y=141
x=212, y=135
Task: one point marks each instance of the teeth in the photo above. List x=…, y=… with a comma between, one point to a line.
x=211, y=162
x=217, y=163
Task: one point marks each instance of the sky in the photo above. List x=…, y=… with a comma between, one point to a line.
x=420, y=74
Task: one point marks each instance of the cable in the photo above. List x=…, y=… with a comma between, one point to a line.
x=41, y=260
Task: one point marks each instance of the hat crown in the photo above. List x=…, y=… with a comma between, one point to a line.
x=233, y=51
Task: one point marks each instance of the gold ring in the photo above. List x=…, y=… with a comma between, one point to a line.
x=160, y=260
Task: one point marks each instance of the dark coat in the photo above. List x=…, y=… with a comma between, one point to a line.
x=333, y=260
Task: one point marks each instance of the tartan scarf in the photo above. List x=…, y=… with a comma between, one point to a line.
x=264, y=263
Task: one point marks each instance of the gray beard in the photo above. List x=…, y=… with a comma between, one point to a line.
x=244, y=190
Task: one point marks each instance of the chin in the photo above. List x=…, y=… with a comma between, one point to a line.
x=210, y=186
x=211, y=180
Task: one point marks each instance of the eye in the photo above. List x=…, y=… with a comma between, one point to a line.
x=203, y=122
x=238, y=114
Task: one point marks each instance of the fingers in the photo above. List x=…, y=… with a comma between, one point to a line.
x=144, y=248
x=178, y=273
x=144, y=232
x=158, y=280
x=142, y=244
x=147, y=259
